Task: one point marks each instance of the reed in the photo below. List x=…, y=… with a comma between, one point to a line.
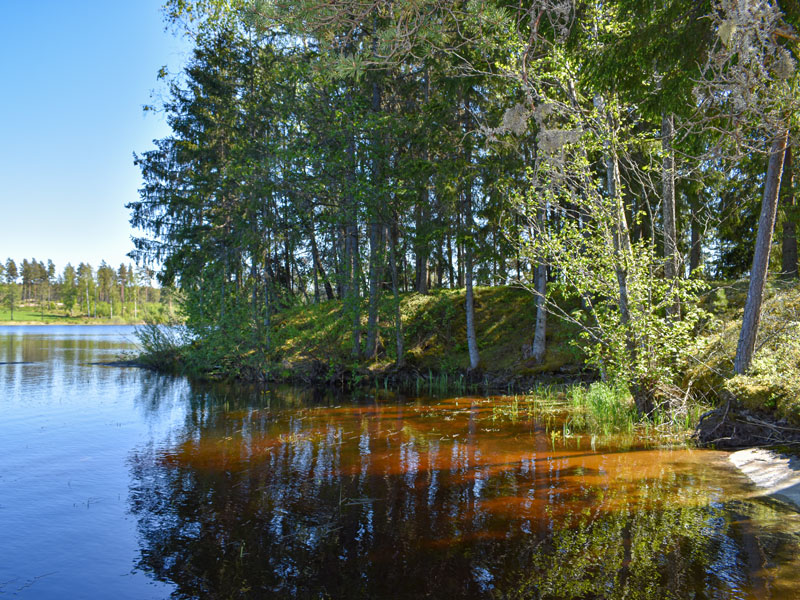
x=603, y=408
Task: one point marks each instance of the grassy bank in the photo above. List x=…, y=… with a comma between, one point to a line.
x=434, y=332
x=313, y=344
x=34, y=316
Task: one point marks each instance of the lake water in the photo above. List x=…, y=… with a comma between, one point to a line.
x=121, y=483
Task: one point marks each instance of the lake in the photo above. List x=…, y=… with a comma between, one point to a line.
x=116, y=482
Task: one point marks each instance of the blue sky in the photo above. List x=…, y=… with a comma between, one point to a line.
x=74, y=76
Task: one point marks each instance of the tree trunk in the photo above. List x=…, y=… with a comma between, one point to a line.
x=318, y=266
x=622, y=250
x=469, y=224
x=789, y=237
x=420, y=243
x=696, y=250
x=375, y=252
x=351, y=249
x=472, y=342
x=353, y=292
x=540, y=284
x=267, y=305
x=398, y=321
x=621, y=239
x=451, y=273
x=267, y=315
x=376, y=228
x=758, y=273
x=668, y=208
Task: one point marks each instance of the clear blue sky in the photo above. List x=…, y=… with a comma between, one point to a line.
x=74, y=76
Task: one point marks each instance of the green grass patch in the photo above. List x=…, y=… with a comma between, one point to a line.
x=57, y=316
x=434, y=328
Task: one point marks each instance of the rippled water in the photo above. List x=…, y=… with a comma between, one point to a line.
x=117, y=482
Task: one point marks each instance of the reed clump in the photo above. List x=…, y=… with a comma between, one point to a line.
x=603, y=408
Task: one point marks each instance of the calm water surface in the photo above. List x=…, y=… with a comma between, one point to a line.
x=121, y=483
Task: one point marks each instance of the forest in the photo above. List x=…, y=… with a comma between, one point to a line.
x=34, y=291
x=334, y=166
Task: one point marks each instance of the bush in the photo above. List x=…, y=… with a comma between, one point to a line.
x=162, y=344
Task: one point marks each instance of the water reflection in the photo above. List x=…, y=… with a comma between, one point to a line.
x=287, y=495
x=117, y=482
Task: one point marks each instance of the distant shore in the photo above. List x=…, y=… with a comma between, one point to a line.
x=54, y=322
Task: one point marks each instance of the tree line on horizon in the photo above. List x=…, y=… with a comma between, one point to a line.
x=620, y=153
x=83, y=290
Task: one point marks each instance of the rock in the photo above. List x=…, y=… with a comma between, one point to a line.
x=778, y=475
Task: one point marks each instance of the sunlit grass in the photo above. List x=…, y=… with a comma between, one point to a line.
x=601, y=414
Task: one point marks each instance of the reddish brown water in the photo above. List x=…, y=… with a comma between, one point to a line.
x=427, y=498
x=126, y=484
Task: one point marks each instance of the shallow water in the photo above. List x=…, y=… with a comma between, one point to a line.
x=118, y=482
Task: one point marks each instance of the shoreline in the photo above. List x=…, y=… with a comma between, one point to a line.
x=45, y=323
x=775, y=474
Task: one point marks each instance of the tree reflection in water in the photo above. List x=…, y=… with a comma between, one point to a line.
x=281, y=495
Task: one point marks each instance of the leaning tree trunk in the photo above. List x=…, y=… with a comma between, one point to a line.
x=758, y=273
x=621, y=242
x=668, y=208
x=789, y=237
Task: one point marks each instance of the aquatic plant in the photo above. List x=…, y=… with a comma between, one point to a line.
x=603, y=408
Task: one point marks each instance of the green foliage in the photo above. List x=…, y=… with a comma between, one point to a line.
x=11, y=294
x=477, y=141
x=626, y=330
x=772, y=383
x=163, y=346
x=603, y=408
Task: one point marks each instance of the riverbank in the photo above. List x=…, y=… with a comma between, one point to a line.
x=312, y=345
x=72, y=321
x=55, y=314
x=775, y=474
x=293, y=473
